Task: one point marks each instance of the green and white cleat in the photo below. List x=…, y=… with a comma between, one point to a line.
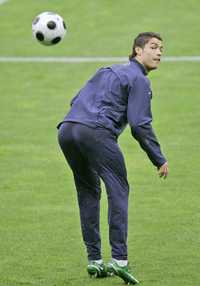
x=97, y=270
x=122, y=271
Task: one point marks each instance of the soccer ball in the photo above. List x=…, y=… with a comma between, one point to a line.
x=48, y=28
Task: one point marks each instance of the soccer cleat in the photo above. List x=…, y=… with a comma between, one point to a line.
x=97, y=270
x=121, y=271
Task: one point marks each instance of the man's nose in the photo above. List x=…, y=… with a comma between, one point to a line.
x=159, y=52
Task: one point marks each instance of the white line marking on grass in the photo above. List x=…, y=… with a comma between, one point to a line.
x=181, y=59
x=3, y=1
x=89, y=59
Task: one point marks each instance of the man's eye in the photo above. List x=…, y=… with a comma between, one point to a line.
x=155, y=47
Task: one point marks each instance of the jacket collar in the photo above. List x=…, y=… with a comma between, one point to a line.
x=143, y=69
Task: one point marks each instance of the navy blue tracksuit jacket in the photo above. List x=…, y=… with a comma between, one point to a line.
x=115, y=96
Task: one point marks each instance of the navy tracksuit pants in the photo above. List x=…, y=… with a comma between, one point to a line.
x=93, y=153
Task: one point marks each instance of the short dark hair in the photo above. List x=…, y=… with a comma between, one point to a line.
x=141, y=40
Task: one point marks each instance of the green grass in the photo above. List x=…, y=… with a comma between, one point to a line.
x=40, y=239
x=102, y=27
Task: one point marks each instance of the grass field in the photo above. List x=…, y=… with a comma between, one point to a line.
x=40, y=239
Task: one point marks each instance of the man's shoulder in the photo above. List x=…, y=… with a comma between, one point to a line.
x=121, y=67
x=125, y=72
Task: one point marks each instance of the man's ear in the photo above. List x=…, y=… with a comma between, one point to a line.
x=138, y=51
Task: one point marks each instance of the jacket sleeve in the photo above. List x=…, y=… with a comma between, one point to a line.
x=140, y=117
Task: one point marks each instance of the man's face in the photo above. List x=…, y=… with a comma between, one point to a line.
x=150, y=55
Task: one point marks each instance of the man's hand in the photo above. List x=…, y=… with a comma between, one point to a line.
x=163, y=171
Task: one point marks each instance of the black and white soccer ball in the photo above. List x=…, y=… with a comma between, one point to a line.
x=49, y=28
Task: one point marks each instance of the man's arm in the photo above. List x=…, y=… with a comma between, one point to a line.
x=140, y=117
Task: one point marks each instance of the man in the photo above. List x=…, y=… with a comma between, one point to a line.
x=113, y=97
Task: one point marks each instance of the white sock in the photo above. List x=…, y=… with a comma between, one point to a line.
x=99, y=261
x=121, y=262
